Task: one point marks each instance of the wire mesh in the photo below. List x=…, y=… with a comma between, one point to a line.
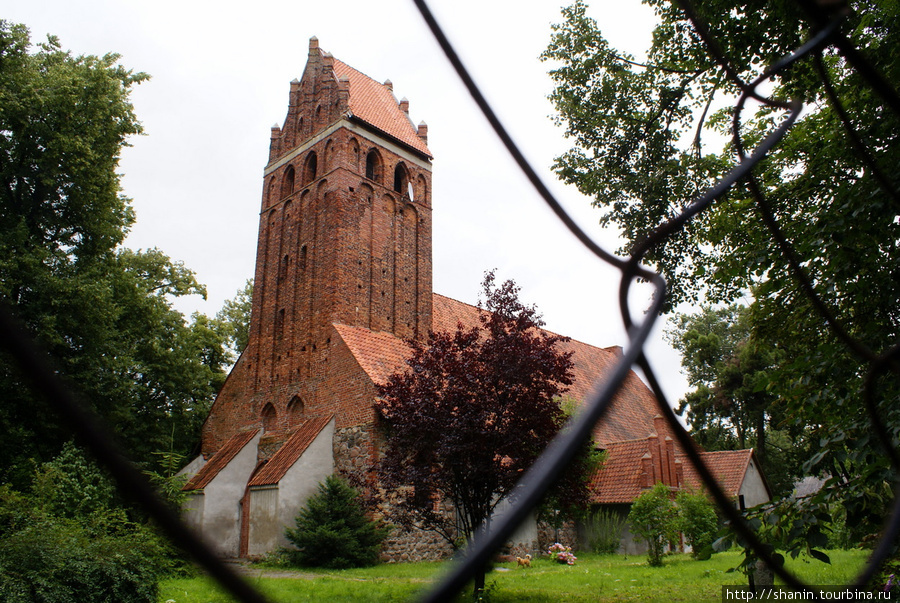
x=534, y=484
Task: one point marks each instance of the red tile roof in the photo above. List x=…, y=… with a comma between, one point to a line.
x=629, y=417
x=374, y=103
x=446, y=313
x=272, y=472
x=728, y=466
x=619, y=480
x=623, y=431
x=632, y=411
x=220, y=460
x=379, y=354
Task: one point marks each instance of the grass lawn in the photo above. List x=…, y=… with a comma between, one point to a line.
x=595, y=578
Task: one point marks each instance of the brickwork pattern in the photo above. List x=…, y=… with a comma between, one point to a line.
x=340, y=241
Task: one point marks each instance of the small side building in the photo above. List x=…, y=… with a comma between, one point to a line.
x=634, y=466
x=248, y=502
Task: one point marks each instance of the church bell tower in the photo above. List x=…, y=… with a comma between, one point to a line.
x=344, y=238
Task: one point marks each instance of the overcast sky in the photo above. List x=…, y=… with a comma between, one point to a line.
x=220, y=79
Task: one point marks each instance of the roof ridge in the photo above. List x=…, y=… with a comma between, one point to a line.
x=351, y=67
x=375, y=104
x=290, y=451
x=631, y=441
x=220, y=460
x=548, y=331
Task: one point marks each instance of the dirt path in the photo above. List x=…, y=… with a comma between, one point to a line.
x=248, y=570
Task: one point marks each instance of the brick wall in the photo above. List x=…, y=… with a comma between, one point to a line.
x=337, y=243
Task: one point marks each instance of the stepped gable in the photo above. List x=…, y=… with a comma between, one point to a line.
x=220, y=460
x=272, y=472
x=374, y=103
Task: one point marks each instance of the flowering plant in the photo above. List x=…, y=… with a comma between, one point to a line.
x=562, y=554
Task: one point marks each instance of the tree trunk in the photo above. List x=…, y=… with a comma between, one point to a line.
x=761, y=438
x=479, y=584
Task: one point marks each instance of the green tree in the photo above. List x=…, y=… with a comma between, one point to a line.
x=653, y=519
x=235, y=318
x=715, y=349
x=104, y=314
x=69, y=541
x=647, y=140
x=72, y=486
x=732, y=405
x=333, y=531
x=697, y=521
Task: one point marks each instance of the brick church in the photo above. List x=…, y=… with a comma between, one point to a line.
x=343, y=276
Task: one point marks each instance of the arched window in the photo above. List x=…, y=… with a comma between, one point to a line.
x=303, y=254
x=283, y=267
x=373, y=166
x=279, y=323
x=287, y=183
x=311, y=168
x=268, y=417
x=270, y=191
x=295, y=410
x=400, y=178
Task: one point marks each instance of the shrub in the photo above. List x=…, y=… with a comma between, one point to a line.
x=72, y=486
x=101, y=558
x=698, y=521
x=333, y=530
x=653, y=520
x=604, y=531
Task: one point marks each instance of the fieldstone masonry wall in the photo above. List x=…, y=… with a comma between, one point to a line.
x=352, y=450
x=417, y=545
x=567, y=535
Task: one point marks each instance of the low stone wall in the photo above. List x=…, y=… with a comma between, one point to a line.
x=415, y=545
x=567, y=535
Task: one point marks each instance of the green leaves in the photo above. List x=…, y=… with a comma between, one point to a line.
x=333, y=531
x=69, y=542
x=104, y=314
x=654, y=519
x=697, y=521
x=647, y=138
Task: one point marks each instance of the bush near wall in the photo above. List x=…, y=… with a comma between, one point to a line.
x=66, y=541
x=333, y=531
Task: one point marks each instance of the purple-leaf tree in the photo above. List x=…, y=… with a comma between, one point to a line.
x=469, y=415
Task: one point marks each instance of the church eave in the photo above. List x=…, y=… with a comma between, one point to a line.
x=387, y=136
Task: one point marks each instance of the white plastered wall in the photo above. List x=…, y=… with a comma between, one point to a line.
x=273, y=508
x=217, y=509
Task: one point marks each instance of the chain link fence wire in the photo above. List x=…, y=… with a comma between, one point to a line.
x=535, y=483
x=100, y=441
